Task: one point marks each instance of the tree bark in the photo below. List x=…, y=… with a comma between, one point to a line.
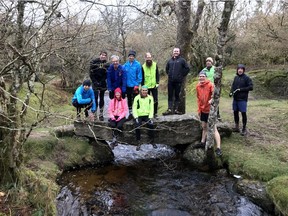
x=222, y=32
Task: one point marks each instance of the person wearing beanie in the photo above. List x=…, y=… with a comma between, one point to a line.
x=84, y=98
x=150, y=75
x=240, y=88
x=176, y=69
x=143, y=110
x=134, y=78
x=204, y=90
x=98, y=75
x=117, y=110
x=210, y=72
x=116, y=77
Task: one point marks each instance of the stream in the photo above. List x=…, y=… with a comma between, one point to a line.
x=150, y=182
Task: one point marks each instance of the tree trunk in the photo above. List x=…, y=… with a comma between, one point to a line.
x=222, y=31
x=183, y=13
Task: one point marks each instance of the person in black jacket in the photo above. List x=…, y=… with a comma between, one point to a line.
x=98, y=75
x=240, y=88
x=176, y=69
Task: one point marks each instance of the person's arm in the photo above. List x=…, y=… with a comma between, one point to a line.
x=125, y=110
x=249, y=85
x=151, y=107
x=139, y=74
x=93, y=108
x=186, y=68
x=109, y=85
x=110, y=109
x=167, y=68
x=143, y=77
x=134, y=107
x=157, y=75
x=124, y=80
x=79, y=97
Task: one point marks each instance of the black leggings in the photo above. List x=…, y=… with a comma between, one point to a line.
x=244, y=118
x=149, y=125
x=101, y=94
x=117, y=125
x=79, y=106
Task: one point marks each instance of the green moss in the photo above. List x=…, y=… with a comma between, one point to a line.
x=278, y=191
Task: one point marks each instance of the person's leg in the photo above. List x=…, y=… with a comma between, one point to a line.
x=170, y=99
x=236, y=116
x=129, y=91
x=101, y=105
x=154, y=92
x=120, y=126
x=177, y=87
x=151, y=134
x=218, y=141
x=138, y=132
x=96, y=94
x=243, y=109
x=204, y=124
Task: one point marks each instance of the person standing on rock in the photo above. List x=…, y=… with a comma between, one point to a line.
x=84, y=98
x=150, y=75
x=116, y=77
x=210, y=72
x=176, y=69
x=143, y=109
x=98, y=75
x=240, y=88
x=134, y=78
x=204, y=90
x=117, y=111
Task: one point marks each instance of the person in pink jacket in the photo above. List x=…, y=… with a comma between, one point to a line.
x=117, y=110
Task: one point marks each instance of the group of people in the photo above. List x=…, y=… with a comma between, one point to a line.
x=139, y=83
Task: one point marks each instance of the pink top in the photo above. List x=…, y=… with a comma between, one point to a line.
x=117, y=108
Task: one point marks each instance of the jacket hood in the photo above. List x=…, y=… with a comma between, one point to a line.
x=117, y=90
x=240, y=66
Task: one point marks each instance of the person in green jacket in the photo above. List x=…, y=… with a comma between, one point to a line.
x=210, y=71
x=143, y=110
x=150, y=78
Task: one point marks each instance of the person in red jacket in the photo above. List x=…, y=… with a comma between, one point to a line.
x=204, y=91
x=117, y=110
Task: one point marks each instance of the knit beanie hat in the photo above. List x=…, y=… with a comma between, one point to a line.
x=132, y=52
x=117, y=90
x=144, y=87
x=241, y=66
x=202, y=73
x=87, y=82
x=209, y=59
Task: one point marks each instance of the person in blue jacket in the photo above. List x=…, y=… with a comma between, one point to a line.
x=116, y=77
x=84, y=98
x=134, y=78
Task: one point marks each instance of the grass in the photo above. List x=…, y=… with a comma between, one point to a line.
x=263, y=155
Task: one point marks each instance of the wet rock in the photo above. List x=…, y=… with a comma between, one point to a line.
x=196, y=157
x=256, y=192
x=69, y=204
x=170, y=130
x=65, y=130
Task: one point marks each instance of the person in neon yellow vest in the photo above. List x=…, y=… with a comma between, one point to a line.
x=150, y=78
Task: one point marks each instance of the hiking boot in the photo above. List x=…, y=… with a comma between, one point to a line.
x=243, y=132
x=138, y=145
x=155, y=116
x=200, y=145
x=154, y=146
x=236, y=128
x=168, y=112
x=218, y=152
x=177, y=112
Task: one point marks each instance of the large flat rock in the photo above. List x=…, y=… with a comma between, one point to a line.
x=170, y=130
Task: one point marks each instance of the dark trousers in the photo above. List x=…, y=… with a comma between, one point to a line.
x=130, y=96
x=154, y=92
x=149, y=124
x=100, y=94
x=174, y=89
x=244, y=118
x=117, y=125
x=79, y=106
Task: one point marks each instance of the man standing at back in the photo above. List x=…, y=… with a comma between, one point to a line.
x=98, y=74
x=176, y=69
x=134, y=78
x=150, y=75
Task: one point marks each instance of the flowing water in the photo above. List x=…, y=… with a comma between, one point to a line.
x=152, y=182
